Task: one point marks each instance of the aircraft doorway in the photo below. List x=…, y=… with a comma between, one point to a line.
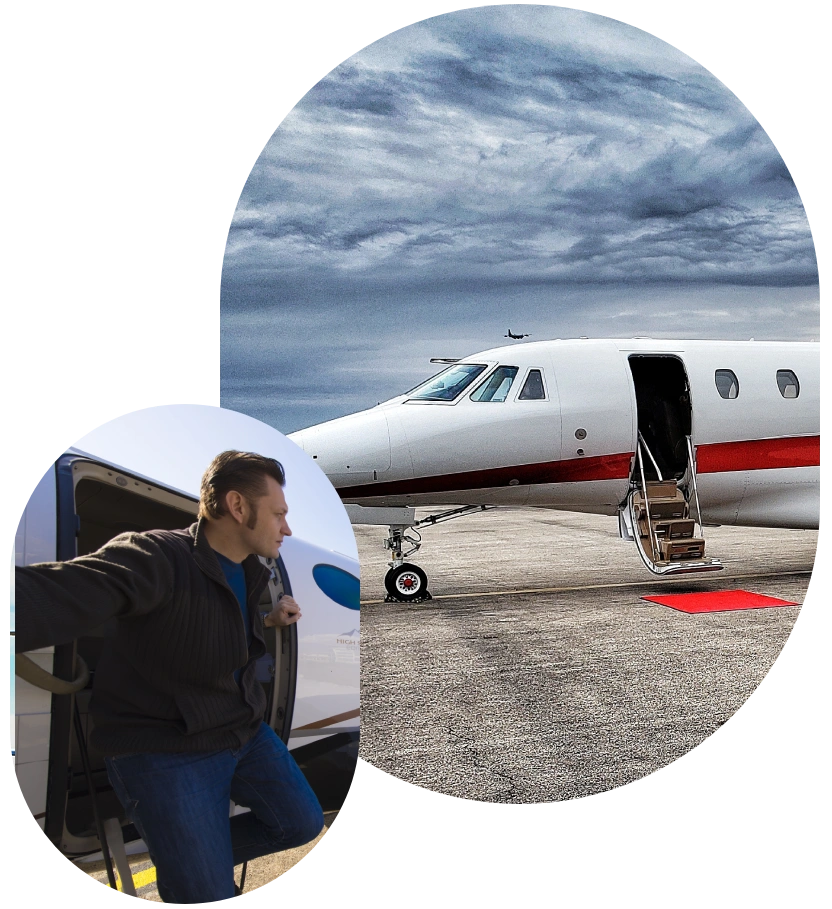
x=662, y=510
x=664, y=414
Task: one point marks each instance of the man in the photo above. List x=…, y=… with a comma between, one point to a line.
x=178, y=709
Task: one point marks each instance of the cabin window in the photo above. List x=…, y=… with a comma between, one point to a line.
x=533, y=389
x=727, y=383
x=449, y=384
x=787, y=383
x=495, y=388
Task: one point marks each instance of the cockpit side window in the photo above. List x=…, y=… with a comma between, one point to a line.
x=496, y=387
x=533, y=389
x=448, y=384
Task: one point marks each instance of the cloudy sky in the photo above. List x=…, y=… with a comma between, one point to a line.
x=533, y=168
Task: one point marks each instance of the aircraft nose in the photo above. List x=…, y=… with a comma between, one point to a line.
x=351, y=449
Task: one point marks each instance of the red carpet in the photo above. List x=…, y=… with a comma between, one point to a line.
x=717, y=601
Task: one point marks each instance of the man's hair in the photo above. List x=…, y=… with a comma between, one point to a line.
x=241, y=471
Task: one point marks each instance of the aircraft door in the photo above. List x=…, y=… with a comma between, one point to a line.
x=597, y=428
x=596, y=408
x=277, y=668
x=325, y=727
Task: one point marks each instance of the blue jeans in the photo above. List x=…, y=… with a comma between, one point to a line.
x=179, y=804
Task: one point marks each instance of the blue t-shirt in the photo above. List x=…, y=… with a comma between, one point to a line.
x=236, y=577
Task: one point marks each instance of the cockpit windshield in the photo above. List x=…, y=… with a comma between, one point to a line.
x=449, y=384
x=496, y=387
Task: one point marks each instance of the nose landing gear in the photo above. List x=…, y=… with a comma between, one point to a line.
x=404, y=582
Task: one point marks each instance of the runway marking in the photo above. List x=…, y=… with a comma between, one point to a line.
x=650, y=583
x=140, y=878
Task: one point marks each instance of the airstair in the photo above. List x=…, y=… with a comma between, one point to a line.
x=657, y=517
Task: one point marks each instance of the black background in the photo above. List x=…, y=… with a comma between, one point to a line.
x=124, y=310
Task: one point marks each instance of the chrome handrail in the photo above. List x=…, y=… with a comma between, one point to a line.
x=647, y=449
x=692, y=461
x=653, y=537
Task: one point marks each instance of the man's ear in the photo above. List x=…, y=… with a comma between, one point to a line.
x=236, y=506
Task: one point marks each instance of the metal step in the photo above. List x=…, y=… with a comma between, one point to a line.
x=672, y=529
x=661, y=507
x=682, y=550
x=662, y=489
x=682, y=529
x=671, y=568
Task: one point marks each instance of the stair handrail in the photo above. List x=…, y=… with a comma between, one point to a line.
x=647, y=449
x=653, y=537
x=692, y=462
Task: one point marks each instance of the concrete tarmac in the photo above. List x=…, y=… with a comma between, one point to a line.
x=538, y=674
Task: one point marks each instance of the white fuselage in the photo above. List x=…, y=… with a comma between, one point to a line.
x=571, y=446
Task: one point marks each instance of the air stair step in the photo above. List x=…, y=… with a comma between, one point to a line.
x=678, y=550
x=679, y=529
x=662, y=489
x=661, y=508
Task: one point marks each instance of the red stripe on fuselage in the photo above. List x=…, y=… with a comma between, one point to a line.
x=718, y=457
x=758, y=454
x=575, y=470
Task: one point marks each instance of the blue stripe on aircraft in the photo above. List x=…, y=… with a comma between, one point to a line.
x=338, y=585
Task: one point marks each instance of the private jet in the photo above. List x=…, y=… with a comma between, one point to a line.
x=310, y=674
x=669, y=436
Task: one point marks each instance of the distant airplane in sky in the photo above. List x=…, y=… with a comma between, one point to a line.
x=515, y=337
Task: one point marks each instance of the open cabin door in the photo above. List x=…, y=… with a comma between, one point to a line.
x=661, y=514
x=96, y=502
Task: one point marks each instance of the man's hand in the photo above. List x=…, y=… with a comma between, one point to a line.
x=287, y=612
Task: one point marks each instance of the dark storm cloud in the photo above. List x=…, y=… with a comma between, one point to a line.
x=348, y=90
x=480, y=154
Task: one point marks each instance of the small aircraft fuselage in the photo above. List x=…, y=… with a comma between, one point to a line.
x=555, y=424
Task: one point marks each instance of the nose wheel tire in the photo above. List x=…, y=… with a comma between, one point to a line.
x=407, y=583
